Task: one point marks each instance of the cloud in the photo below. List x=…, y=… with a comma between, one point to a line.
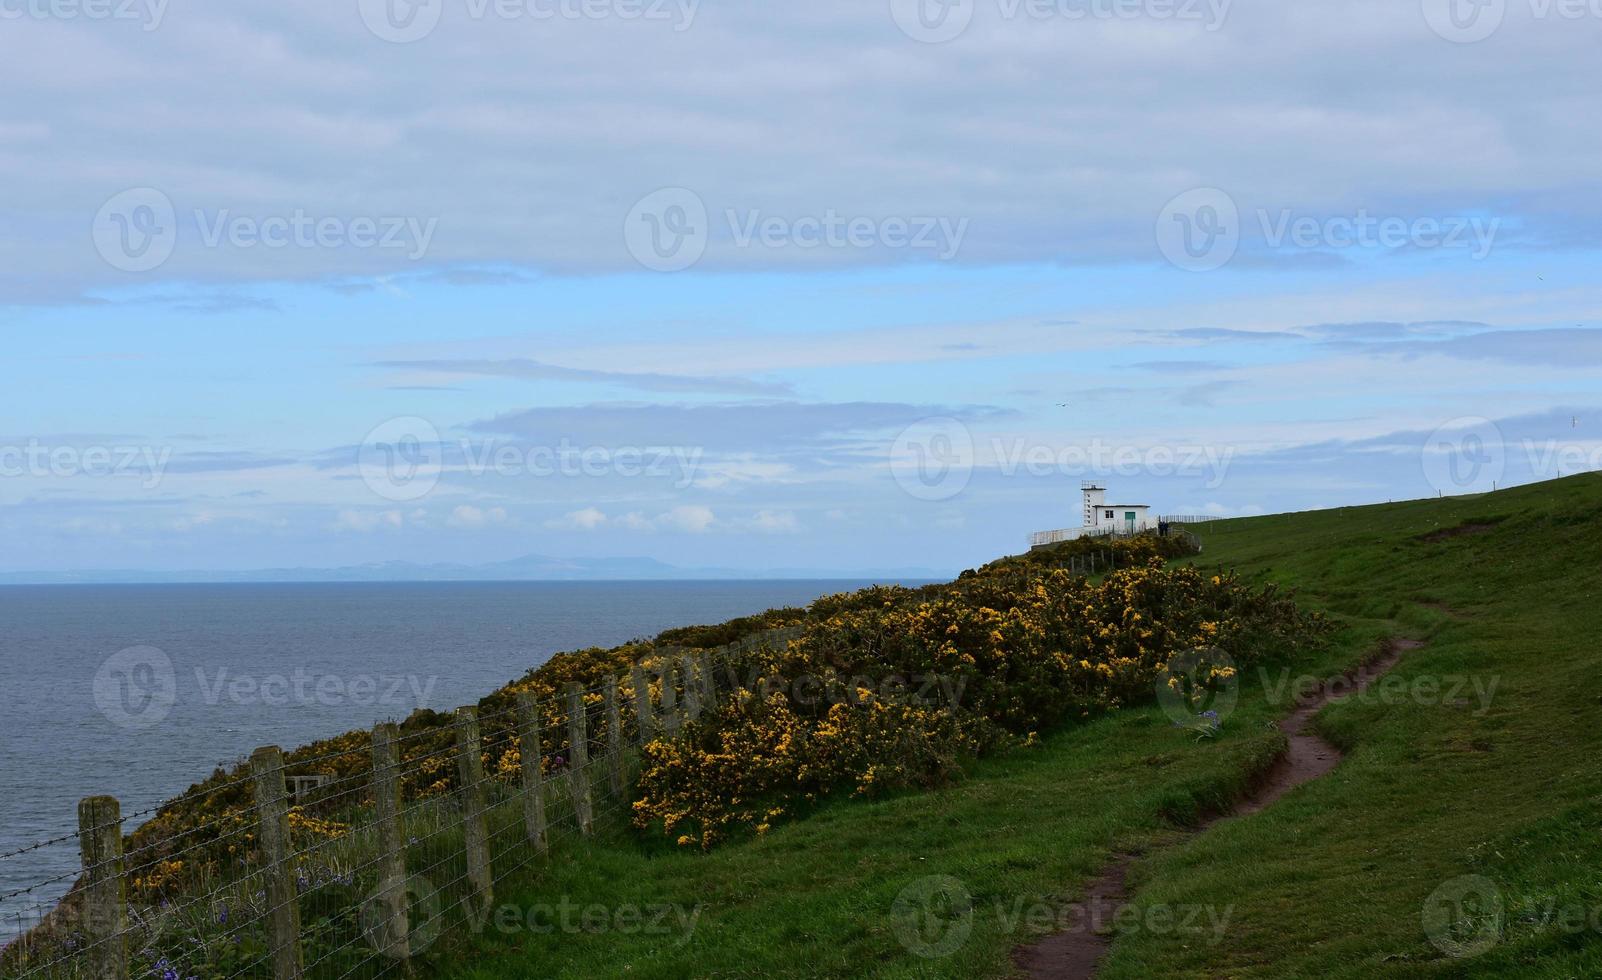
x=765, y=428
x=365, y=521
x=1181, y=367
x=530, y=370
x=532, y=174
x=473, y=518
x=773, y=522
x=685, y=518
x=1566, y=347
x=587, y=519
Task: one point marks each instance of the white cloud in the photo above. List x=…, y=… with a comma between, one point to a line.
x=693, y=519
x=765, y=94
x=365, y=521
x=587, y=519
x=772, y=522
x=690, y=519
x=469, y=517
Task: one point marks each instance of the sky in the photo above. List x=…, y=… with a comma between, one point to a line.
x=836, y=285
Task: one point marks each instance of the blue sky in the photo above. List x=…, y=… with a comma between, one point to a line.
x=759, y=288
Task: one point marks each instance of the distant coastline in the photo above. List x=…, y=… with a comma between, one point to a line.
x=529, y=568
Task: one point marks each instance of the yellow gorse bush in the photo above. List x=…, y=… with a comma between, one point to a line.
x=1020, y=646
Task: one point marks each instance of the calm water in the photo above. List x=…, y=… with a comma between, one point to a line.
x=218, y=670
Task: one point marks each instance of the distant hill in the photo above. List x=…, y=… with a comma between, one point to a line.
x=528, y=568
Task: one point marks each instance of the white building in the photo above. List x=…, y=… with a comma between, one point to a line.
x=1099, y=518
x=1102, y=517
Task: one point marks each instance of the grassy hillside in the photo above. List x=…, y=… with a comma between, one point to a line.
x=1479, y=757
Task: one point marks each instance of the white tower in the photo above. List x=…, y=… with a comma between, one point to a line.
x=1093, y=501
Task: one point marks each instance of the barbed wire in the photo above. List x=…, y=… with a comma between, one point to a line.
x=578, y=795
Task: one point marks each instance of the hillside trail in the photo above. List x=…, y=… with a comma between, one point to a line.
x=1076, y=953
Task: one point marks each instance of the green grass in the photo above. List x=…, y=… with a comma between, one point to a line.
x=1331, y=881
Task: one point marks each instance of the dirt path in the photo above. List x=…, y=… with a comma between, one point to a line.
x=1075, y=953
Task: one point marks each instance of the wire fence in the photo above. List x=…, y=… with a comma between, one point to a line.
x=352, y=863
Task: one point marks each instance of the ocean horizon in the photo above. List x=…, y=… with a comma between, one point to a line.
x=138, y=691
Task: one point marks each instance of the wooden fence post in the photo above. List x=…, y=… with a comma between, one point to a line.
x=578, y=762
x=614, y=740
x=692, y=689
x=389, y=932
x=105, y=891
x=531, y=754
x=645, y=718
x=709, y=681
x=475, y=834
x=283, y=901
x=671, y=722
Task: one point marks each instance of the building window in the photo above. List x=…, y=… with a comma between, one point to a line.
x=1109, y=513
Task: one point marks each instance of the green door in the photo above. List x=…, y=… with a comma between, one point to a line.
x=1129, y=518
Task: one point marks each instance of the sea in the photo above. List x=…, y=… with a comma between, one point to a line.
x=140, y=691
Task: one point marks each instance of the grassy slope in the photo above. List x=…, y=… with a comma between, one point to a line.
x=1332, y=882
x=1329, y=882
